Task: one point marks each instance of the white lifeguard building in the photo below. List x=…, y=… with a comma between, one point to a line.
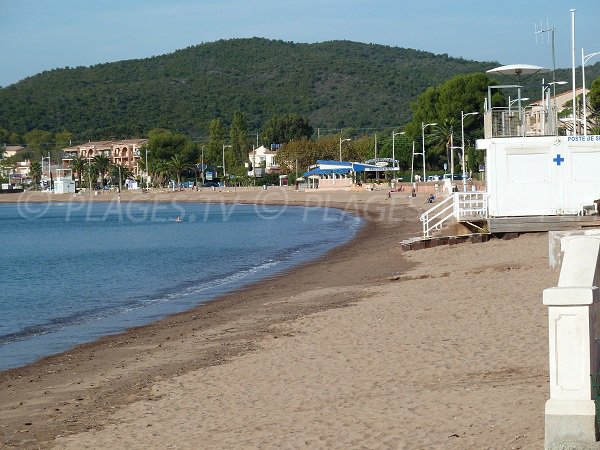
x=64, y=183
x=536, y=179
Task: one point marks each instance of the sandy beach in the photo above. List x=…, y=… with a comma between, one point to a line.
x=366, y=347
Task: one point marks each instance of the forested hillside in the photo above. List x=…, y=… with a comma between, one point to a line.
x=334, y=84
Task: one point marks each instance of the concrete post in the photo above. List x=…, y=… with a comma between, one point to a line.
x=573, y=314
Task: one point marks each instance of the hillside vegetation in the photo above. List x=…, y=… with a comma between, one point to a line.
x=334, y=84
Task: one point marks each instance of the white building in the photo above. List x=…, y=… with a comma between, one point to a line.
x=541, y=176
x=262, y=161
x=537, y=180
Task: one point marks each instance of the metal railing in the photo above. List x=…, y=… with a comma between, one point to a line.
x=434, y=218
x=512, y=122
x=470, y=206
x=463, y=206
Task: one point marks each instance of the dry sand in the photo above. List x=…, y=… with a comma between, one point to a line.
x=369, y=347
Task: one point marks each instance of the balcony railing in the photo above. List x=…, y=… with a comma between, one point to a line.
x=515, y=122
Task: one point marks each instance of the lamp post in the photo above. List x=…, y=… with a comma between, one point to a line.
x=202, y=163
x=462, y=146
x=423, y=126
x=343, y=140
x=120, y=178
x=90, y=171
x=512, y=102
x=394, y=148
x=224, y=147
x=573, y=70
x=48, y=158
x=546, y=104
x=584, y=59
x=147, y=171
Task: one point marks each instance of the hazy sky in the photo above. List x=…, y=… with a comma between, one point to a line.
x=37, y=35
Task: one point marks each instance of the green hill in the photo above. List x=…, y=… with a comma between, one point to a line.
x=335, y=84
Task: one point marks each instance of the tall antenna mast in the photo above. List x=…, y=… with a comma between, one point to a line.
x=538, y=35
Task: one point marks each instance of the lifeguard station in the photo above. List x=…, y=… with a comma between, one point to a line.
x=536, y=180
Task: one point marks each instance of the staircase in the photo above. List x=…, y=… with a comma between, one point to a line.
x=465, y=207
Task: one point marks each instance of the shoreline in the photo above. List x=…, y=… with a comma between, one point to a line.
x=368, y=347
x=52, y=394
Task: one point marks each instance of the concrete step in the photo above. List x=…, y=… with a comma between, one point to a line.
x=430, y=242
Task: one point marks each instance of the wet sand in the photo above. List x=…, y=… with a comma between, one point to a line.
x=367, y=347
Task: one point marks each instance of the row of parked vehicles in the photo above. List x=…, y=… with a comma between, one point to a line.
x=446, y=176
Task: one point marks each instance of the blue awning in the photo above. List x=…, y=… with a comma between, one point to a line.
x=319, y=171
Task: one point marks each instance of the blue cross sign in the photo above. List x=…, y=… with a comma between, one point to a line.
x=559, y=159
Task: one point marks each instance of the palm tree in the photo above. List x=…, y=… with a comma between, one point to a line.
x=178, y=166
x=102, y=164
x=441, y=137
x=119, y=173
x=35, y=172
x=160, y=171
x=78, y=164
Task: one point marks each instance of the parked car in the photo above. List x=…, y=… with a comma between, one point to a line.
x=456, y=176
x=210, y=184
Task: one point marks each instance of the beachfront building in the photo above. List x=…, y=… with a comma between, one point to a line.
x=8, y=151
x=16, y=172
x=124, y=152
x=333, y=175
x=262, y=161
x=535, y=114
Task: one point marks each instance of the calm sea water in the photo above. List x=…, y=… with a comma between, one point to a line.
x=73, y=272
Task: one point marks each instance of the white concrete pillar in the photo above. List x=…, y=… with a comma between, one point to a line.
x=573, y=315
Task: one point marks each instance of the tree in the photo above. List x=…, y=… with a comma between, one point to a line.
x=39, y=142
x=178, y=165
x=78, y=165
x=163, y=144
x=447, y=100
x=286, y=128
x=6, y=167
x=441, y=140
x=298, y=155
x=160, y=170
x=593, y=97
x=216, y=140
x=35, y=172
x=101, y=165
x=238, y=138
x=63, y=139
x=118, y=173
x=7, y=137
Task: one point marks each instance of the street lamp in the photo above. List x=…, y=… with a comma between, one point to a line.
x=394, y=148
x=44, y=158
x=202, y=163
x=584, y=59
x=423, y=126
x=462, y=145
x=512, y=102
x=224, y=147
x=90, y=170
x=546, y=104
x=147, y=171
x=343, y=140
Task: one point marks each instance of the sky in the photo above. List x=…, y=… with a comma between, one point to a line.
x=38, y=35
